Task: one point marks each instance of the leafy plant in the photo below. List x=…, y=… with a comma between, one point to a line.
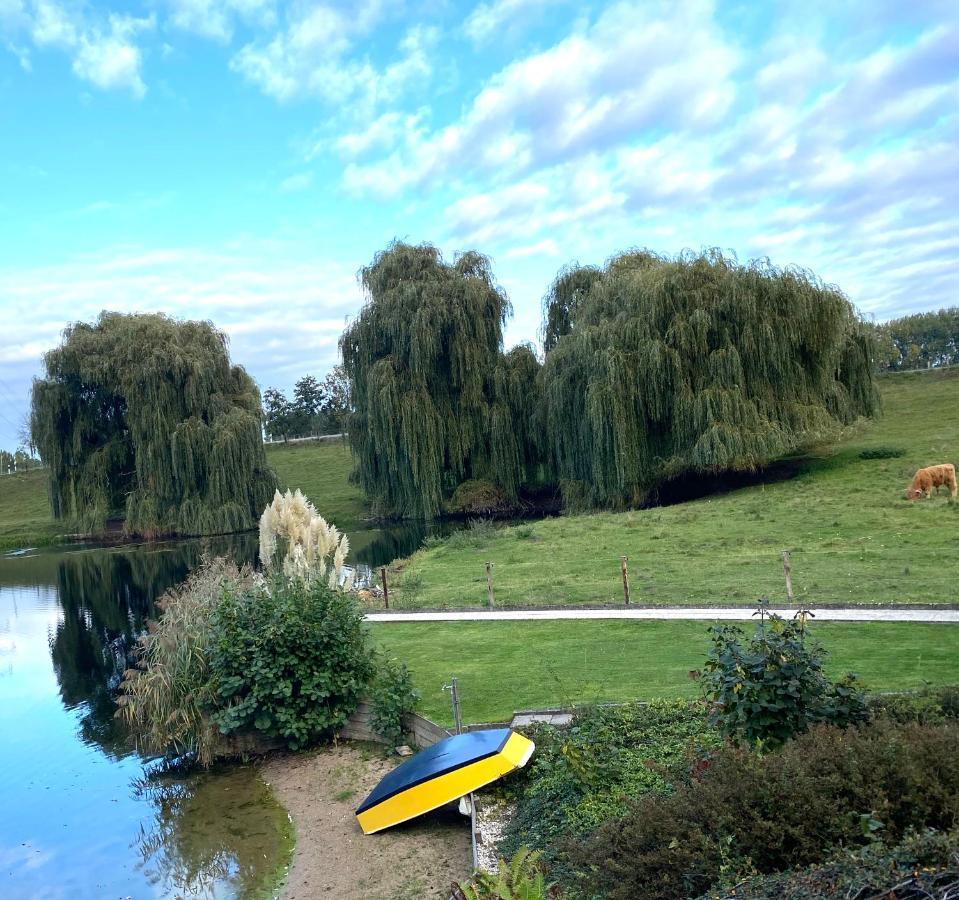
x=925, y=864
x=392, y=698
x=519, y=879
x=766, y=813
x=165, y=700
x=589, y=772
x=659, y=366
x=291, y=659
x=772, y=687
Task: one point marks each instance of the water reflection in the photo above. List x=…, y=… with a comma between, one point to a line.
x=106, y=596
x=210, y=833
x=78, y=818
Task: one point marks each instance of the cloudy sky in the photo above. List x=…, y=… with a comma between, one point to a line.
x=239, y=160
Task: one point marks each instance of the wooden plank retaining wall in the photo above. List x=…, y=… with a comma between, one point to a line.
x=419, y=730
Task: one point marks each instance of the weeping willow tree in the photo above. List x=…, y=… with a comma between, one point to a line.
x=662, y=366
x=143, y=417
x=436, y=401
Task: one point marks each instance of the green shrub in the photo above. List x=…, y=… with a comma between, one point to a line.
x=392, y=699
x=773, y=687
x=924, y=865
x=882, y=453
x=928, y=706
x=165, y=700
x=757, y=814
x=588, y=773
x=291, y=659
x=519, y=879
x=478, y=498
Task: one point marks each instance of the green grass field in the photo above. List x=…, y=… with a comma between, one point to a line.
x=589, y=661
x=321, y=470
x=24, y=511
x=853, y=538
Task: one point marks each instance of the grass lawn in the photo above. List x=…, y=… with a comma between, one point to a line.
x=505, y=666
x=320, y=469
x=24, y=512
x=852, y=536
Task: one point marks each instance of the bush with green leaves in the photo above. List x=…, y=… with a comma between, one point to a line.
x=392, y=698
x=588, y=773
x=290, y=659
x=519, y=879
x=924, y=865
x=747, y=813
x=928, y=706
x=772, y=687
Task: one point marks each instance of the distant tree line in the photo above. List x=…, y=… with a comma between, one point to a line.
x=920, y=341
x=653, y=367
x=17, y=461
x=315, y=408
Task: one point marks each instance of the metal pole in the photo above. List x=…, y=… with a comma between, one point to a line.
x=455, y=698
x=623, y=561
x=489, y=585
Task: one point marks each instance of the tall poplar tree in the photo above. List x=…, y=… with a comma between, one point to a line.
x=144, y=417
x=434, y=398
x=662, y=366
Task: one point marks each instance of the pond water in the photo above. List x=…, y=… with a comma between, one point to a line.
x=80, y=818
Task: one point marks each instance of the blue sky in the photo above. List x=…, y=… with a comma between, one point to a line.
x=240, y=160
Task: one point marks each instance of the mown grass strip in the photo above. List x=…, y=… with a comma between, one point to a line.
x=505, y=666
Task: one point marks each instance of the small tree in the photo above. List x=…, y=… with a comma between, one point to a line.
x=276, y=414
x=771, y=688
x=307, y=406
x=337, y=404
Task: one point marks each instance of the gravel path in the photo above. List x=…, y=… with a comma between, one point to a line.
x=857, y=614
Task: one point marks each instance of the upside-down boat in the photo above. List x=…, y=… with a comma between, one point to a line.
x=448, y=770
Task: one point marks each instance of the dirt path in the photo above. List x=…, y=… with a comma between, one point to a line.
x=333, y=858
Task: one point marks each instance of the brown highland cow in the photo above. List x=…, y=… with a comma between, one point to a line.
x=925, y=481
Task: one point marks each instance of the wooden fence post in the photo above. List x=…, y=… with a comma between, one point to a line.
x=489, y=585
x=386, y=592
x=787, y=571
x=623, y=561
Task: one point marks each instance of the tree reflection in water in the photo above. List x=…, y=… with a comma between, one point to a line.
x=106, y=596
x=213, y=835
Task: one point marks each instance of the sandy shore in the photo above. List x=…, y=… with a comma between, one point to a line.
x=333, y=858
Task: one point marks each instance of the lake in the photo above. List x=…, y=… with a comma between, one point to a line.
x=84, y=815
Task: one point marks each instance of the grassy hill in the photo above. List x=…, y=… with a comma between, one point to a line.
x=853, y=537
x=321, y=470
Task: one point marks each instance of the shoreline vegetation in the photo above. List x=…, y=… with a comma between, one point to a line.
x=319, y=469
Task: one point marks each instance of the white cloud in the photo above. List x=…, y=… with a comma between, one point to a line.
x=217, y=19
x=546, y=247
x=284, y=316
x=499, y=18
x=313, y=57
x=111, y=59
x=629, y=72
x=103, y=48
